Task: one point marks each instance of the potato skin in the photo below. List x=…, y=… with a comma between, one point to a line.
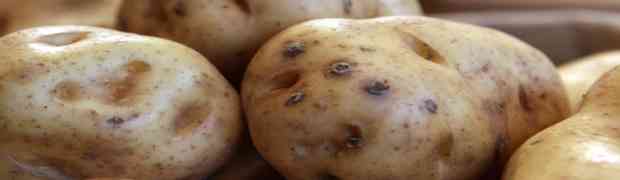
x=396, y=98
x=228, y=32
x=579, y=75
x=22, y=14
x=582, y=147
x=86, y=102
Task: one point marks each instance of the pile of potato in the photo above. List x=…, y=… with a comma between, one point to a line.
x=291, y=89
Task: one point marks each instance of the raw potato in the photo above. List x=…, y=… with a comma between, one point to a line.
x=21, y=14
x=82, y=102
x=581, y=74
x=228, y=32
x=583, y=147
x=396, y=98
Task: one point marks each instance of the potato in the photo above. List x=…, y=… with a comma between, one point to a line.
x=21, y=14
x=582, y=147
x=578, y=76
x=228, y=32
x=396, y=98
x=83, y=102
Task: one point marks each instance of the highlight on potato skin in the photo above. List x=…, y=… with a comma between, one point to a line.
x=81, y=102
x=396, y=98
x=228, y=32
x=582, y=147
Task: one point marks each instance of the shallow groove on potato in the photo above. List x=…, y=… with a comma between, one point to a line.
x=396, y=98
x=103, y=103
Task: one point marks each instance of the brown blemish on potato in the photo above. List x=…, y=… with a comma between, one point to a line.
x=347, y=5
x=180, y=9
x=67, y=91
x=115, y=121
x=63, y=39
x=293, y=49
x=377, y=88
x=295, y=98
x=523, y=99
x=354, y=137
x=536, y=142
x=420, y=47
x=367, y=49
x=285, y=80
x=243, y=5
x=121, y=88
x=191, y=117
x=430, y=106
x=446, y=143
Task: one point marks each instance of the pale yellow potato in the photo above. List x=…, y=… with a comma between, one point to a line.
x=228, y=32
x=83, y=102
x=396, y=98
x=22, y=14
x=579, y=75
x=583, y=147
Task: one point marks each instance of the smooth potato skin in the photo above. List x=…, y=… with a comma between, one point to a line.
x=86, y=102
x=16, y=15
x=451, y=99
x=583, y=147
x=579, y=75
x=229, y=32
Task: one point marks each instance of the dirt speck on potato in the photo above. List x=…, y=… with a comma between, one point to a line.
x=523, y=99
x=354, y=139
x=347, y=6
x=430, y=106
x=295, y=98
x=115, y=121
x=293, y=49
x=63, y=39
x=180, y=9
x=377, y=88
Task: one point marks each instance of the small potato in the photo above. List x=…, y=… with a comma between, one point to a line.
x=21, y=14
x=396, y=98
x=582, y=147
x=83, y=102
x=228, y=32
x=581, y=74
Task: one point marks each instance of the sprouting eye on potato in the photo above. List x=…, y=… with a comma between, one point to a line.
x=22, y=14
x=82, y=102
x=396, y=98
x=582, y=147
x=579, y=75
x=228, y=32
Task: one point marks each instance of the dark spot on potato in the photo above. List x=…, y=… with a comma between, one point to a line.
x=329, y=176
x=115, y=121
x=63, y=39
x=67, y=91
x=420, y=47
x=243, y=5
x=347, y=6
x=430, y=106
x=180, y=9
x=136, y=67
x=190, y=117
x=523, y=99
x=354, y=138
x=119, y=89
x=377, y=88
x=446, y=142
x=536, y=142
x=340, y=68
x=367, y=49
x=285, y=80
x=293, y=49
x=295, y=98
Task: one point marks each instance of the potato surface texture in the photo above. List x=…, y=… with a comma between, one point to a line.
x=83, y=102
x=579, y=76
x=22, y=14
x=228, y=32
x=396, y=98
x=583, y=147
